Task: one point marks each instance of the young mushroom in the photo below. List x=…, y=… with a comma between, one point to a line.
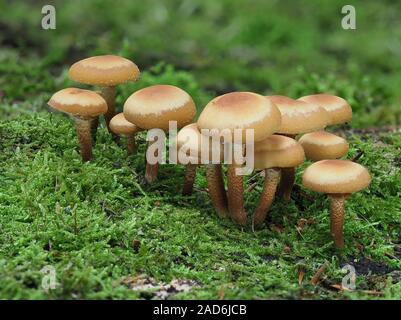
x=243, y=111
x=120, y=126
x=296, y=117
x=338, y=179
x=189, y=149
x=106, y=71
x=153, y=108
x=338, y=109
x=190, y=143
x=84, y=106
x=273, y=155
x=321, y=145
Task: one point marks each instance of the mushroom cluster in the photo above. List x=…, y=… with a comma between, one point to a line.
x=285, y=132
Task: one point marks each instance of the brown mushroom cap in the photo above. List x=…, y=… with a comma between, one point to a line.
x=241, y=110
x=155, y=106
x=105, y=70
x=120, y=125
x=194, y=141
x=339, y=110
x=336, y=176
x=322, y=145
x=278, y=152
x=78, y=102
x=299, y=116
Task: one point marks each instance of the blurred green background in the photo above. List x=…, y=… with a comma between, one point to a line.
x=283, y=47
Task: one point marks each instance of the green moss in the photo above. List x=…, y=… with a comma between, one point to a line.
x=83, y=218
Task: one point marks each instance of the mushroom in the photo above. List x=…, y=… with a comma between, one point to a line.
x=321, y=145
x=338, y=179
x=105, y=71
x=120, y=126
x=189, y=147
x=296, y=117
x=84, y=106
x=339, y=110
x=273, y=155
x=189, y=144
x=154, y=107
x=243, y=111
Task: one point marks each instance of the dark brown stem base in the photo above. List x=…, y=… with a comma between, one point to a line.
x=235, y=190
x=130, y=139
x=84, y=133
x=287, y=183
x=272, y=179
x=217, y=191
x=189, y=179
x=337, y=210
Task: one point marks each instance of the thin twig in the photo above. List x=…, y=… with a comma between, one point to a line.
x=318, y=274
x=358, y=156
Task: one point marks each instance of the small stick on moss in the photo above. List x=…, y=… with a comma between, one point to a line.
x=316, y=278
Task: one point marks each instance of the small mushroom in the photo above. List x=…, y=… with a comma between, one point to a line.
x=273, y=155
x=321, y=145
x=154, y=107
x=84, y=106
x=189, y=144
x=338, y=179
x=338, y=109
x=240, y=110
x=296, y=117
x=106, y=71
x=120, y=126
x=190, y=138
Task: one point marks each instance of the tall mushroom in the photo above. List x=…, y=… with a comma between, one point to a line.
x=190, y=143
x=83, y=106
x=296, y=117
x=243, y=111
x=321, y=145
x=120, y=126
x=273, y=155
x=106, y=71
x=338, y=179
x=338, y=109
x=154, y=107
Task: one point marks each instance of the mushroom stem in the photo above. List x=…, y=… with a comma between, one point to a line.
x=217, y=192
x=235, y=188
x=84, y=130
x=109, y=94
x=286, y=183
x=272, y=179
x=130, y=143
x=189, y=179
x=337, y=205
x=94, y=125
x=287, y=177
x=151, y=169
